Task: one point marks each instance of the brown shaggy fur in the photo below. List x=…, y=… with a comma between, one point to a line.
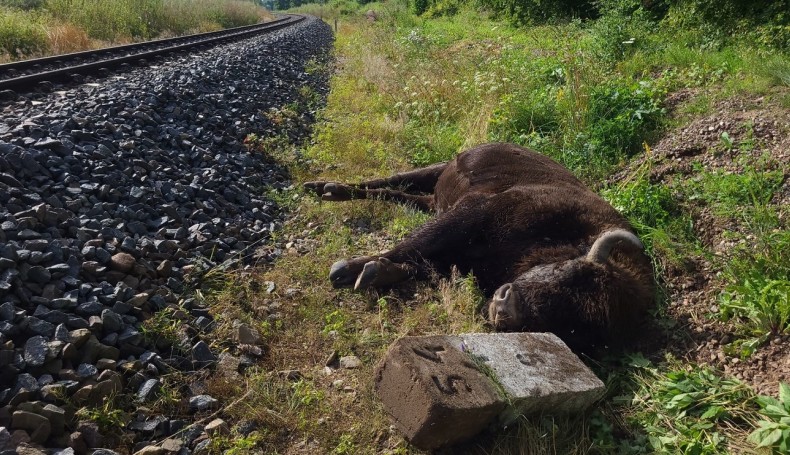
x=511, y=215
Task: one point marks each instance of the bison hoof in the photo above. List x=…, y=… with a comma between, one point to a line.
x=316, y=187
x=369, y=274
x=336, y=192
x=341, y=275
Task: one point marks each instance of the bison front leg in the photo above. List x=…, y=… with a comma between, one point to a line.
x=413, y=257
x=368, y=271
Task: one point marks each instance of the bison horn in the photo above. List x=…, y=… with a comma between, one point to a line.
x=603, y=245
x=505, y=295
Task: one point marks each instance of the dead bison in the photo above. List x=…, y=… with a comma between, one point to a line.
x=553, y=255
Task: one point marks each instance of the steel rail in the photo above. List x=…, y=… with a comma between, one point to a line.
x=107, y=58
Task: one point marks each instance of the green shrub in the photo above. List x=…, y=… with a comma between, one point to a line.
x=433, y=143
x=145, y=19
x=620, y=117
x=344, y=7
x=540, y=12
x=647, y=206
x=20, y=34
x=419, y=6
x=522, y=118
x=624, y=27
x=727, y=13
x=718, y=23
x=691, y=411
x=730, y=193
x=109, y=19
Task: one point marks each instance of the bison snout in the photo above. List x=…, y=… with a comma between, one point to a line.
x=503, y=309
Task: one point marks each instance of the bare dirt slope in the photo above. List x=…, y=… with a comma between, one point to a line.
x=692, y=331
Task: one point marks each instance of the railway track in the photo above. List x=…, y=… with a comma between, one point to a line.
x=27, y=75
x=149, y=169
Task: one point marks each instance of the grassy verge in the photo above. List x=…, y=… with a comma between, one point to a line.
x=410, y=91
x=36, y=28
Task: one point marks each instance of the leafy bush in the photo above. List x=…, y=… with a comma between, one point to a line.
x=690, y=411
x=624, y=27
x=620, y=117
x=729, y=193
x=717, y=23
x=108, y=19
x=726, y=13
x=145, y=19
x=647, y=206
x=344, y=7
x=20, y=34
x=433, y=143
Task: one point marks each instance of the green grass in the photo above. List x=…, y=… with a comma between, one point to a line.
x=729, y=192
x=757, y=291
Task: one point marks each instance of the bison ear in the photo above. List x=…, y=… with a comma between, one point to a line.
x=602, y=247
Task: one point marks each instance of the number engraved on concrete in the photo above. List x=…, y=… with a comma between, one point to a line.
x=530, y=360
x=449, y=384
x=430, y=353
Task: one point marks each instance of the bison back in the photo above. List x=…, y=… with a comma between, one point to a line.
x=496, y=168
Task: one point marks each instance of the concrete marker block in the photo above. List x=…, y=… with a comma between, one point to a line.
x=434, y=392
x=442, y=390
x=537, y=371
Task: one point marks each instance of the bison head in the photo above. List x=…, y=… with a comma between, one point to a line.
x=548, y=291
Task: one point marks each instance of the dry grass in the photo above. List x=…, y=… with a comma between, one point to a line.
x=67, y=38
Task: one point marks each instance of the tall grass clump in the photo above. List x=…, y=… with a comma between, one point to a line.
x=21, y=33
x=65, y=38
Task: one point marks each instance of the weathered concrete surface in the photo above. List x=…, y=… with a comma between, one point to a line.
x=434, y=392
x=442, y=390
x=537, y=371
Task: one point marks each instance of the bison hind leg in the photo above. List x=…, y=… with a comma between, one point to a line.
x=333, y=191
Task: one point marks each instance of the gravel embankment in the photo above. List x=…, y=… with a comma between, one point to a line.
x=109, y=194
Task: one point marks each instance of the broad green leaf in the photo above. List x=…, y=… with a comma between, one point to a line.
x=784, y=395
x=765, y=401
x=774, y=411
x=770, y=438
x=712, y=412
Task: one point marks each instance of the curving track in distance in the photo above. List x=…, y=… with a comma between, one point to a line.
x=23, y=76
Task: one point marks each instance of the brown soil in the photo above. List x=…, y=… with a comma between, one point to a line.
x=690, y=331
